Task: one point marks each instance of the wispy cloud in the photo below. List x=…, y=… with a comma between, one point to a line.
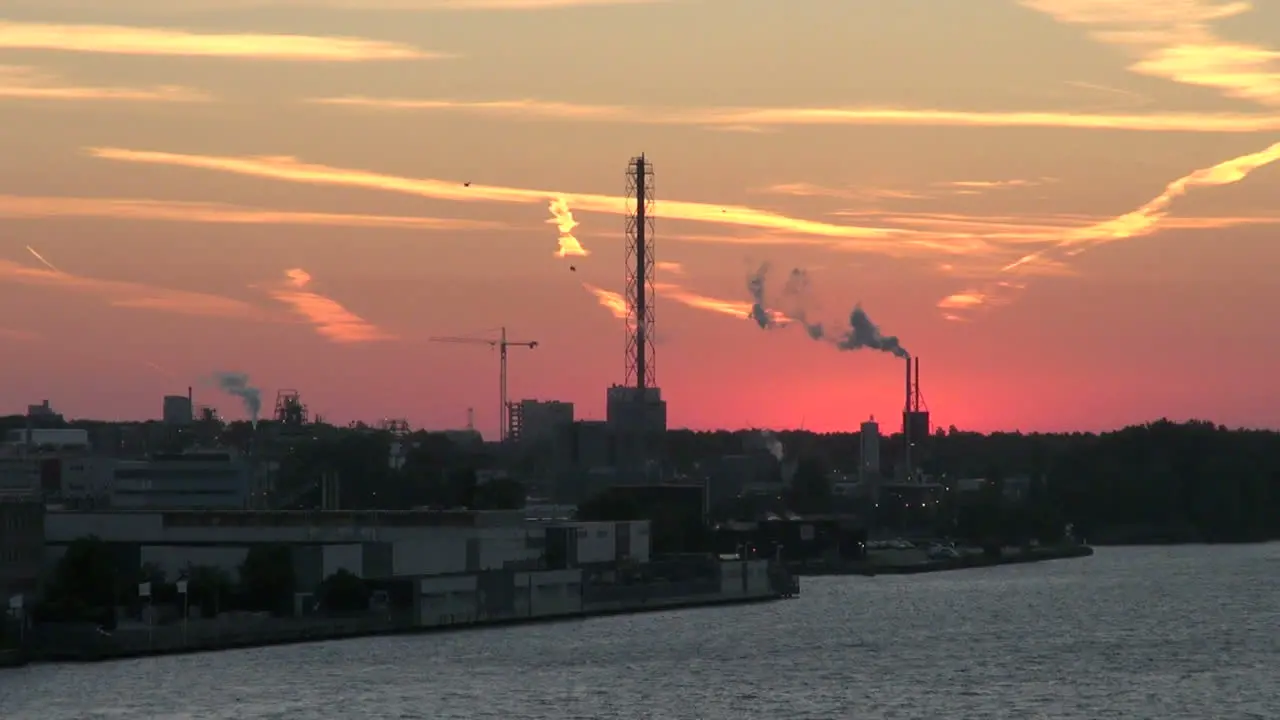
x=189, y=6
x=873, y=239
x=616, y=304
x=860, y=194
x=876, y=194
x=971, y=187
x=124, y=40
x=1142, y=221
x=1175, y=41
x=609, y=300
x=762, y=117
x=26, y=83
x=732, y=308
x=667, y=266
x=131, y=295
x=14, y=334
x=24, y=206
x=327, y=315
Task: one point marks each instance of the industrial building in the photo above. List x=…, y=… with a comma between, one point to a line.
x=375, y=545
x=209, y=479
x=58, y=467
x=178, y=409
x=42, y=411
x=869, y=457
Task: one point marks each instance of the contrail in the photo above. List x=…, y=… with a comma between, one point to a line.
x=1139, y=222
x=40, y=257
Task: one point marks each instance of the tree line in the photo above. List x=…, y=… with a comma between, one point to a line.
x=1159, y=482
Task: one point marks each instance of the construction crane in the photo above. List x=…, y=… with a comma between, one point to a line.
x=502, y=344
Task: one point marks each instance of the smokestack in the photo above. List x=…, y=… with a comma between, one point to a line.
x=915, y=395
x=191, y=397
x=906, y=425
x=907, y=406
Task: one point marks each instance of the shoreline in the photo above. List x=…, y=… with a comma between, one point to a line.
x=327, y=630
x=869, y=568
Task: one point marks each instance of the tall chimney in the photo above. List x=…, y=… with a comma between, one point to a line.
x=906, y=426
x=915, y=394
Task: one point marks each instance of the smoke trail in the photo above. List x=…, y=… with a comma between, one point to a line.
x=237, y=384
x=772, y=444
x=759, y=311
x=40, y=257
x=861, y=332
x=796, y=291
x=562, y=218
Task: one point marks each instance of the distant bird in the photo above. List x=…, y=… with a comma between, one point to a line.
x=573, y=268
x=466, y=184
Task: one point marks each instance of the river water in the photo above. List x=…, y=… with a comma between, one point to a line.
x=1133, y=633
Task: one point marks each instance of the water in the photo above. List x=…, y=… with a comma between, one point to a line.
x=1161, y=633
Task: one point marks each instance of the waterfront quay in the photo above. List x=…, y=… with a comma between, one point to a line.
x=358, y=574
x=907, y=558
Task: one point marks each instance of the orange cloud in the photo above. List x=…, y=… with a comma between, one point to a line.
x=1174, y=41
x=123, y=40
x=667, y=266
x=873, y=239
x=422, y=5
x=1142, y=221
x=616, y=304
x=850, y=193
x=22, y=206
x=329, y=317
x=133, y=295
x=25, y=83
x=562, y=218
x=18, y=335
x=757, y=118
x=609, y=300
x=732, y=308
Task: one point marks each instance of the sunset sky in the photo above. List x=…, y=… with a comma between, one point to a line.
x=1067, y=209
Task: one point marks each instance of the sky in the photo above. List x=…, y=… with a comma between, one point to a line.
x=1064, y=209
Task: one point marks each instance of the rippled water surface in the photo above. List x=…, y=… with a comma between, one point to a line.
x=1161, y=633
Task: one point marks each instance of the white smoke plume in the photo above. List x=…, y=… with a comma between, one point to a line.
x=772, y=444
x=237, y=385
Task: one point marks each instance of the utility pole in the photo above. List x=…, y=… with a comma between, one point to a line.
x=502, y=343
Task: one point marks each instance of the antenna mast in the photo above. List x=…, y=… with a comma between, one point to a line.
x=640, y=360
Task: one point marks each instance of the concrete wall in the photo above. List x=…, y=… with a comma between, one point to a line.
x=597, y=542
x=607, y=542
x=757, y=577
x=445, y=553
x=548, y=593
x=733, y=578
x=447, y=600
x=641, y=541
